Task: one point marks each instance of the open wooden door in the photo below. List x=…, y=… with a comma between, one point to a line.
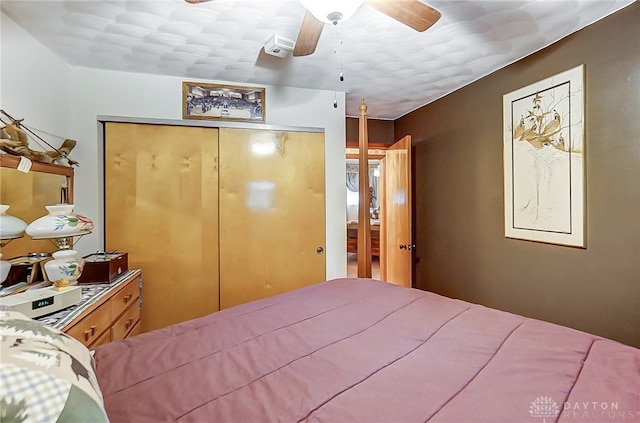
x=396, y=245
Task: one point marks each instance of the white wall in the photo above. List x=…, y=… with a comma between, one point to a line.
x=67, y=101
x=34, y=84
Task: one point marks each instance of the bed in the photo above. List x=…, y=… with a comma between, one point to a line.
x=361, y=350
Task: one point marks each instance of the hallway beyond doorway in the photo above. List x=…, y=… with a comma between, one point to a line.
x=352, y=266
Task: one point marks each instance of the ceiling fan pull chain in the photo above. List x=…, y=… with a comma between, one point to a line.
x=341, y=64
x=337, y=44
x=341, y=60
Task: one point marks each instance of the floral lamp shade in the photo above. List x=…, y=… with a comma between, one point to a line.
x=61, y=222
x=10, y=226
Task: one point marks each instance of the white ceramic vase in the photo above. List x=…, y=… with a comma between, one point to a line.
x=60, y=222
x=10, y=226
x=66, y=264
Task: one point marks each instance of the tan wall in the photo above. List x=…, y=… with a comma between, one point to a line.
x=459, y=217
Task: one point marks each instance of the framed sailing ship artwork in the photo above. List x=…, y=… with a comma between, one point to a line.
x=544, y=160
x=223, y=102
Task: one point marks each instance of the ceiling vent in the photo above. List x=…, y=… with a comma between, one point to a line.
x=279, y=45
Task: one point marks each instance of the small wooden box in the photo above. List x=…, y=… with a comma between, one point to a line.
x=103, y=267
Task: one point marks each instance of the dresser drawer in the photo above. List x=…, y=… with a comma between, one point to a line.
x=137, y=330
x=123, y=299
x=91, y=327
x=103, y=339
x=125, y=323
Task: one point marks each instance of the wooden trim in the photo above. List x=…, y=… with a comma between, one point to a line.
x=364, y=223
x=382, y=198
x=103, y=119
x=375, y=145
x=373, y=153
x=10, y=161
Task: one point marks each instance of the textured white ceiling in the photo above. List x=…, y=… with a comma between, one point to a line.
x=395, y=68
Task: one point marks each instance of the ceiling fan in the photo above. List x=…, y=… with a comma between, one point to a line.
x=412, y=13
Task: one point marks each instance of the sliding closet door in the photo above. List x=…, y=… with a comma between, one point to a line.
x=272, y=213
x=161, y=206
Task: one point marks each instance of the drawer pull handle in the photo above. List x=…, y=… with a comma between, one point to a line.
x=127, y=298
x=89, y=332
x=127, y=325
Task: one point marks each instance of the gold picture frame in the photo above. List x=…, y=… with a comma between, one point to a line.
x=223, y=102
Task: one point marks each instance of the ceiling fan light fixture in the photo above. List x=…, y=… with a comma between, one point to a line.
x=332, y=11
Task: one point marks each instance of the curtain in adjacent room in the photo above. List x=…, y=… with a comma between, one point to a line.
x=352, y=177
x=353, y=182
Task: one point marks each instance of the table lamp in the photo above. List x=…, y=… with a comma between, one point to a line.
x=60, y=225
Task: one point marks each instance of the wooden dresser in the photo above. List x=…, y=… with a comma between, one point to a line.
x=107, y=312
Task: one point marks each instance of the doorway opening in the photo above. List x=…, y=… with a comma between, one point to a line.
x=353, y=200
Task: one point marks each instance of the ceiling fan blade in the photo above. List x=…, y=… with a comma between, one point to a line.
x=412, y=13
x=196, y=1
x=308, y=36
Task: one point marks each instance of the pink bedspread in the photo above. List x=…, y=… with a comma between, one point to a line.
x=358, y=350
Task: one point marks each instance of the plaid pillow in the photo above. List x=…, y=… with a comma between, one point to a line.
x=46, y=375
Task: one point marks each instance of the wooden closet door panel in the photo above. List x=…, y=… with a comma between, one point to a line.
x=161, y=206
x=272, y=213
